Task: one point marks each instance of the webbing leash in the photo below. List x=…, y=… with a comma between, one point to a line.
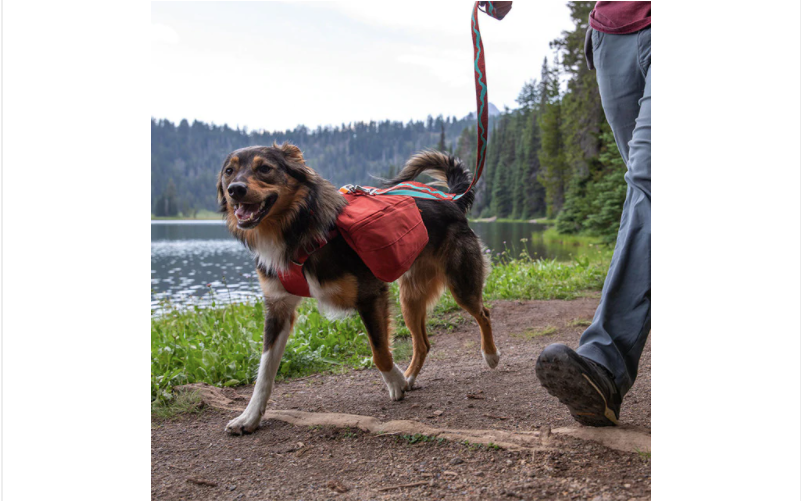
x=482, y=111
x=420, y=190
x=295, y=282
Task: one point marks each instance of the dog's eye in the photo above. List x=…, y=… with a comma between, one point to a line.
x=228, y=171
x=263, y=168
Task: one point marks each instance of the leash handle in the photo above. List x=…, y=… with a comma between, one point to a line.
x=482, y=111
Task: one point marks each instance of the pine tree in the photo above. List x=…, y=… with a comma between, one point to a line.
x=554, y=173
x=501, y=198
x=534, y=204
x=607, y=193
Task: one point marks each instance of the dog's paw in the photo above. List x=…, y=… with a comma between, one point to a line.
x=396, y=383
x=245, y=423
x=492, y=360
x=410, y=383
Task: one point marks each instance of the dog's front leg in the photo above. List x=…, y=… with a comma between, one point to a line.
x=374, y=310
x=278, y=322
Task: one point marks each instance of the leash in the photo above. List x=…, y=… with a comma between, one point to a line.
x=293, y=279
x=482, y=111
x=420, y=190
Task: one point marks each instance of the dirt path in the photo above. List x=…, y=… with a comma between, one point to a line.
x=455, y=392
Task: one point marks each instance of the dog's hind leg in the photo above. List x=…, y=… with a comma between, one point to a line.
x=373, y=307
x=465, y=273
x=419, y=288
x=279, y=313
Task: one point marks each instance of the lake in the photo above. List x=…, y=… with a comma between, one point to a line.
x=199, y=263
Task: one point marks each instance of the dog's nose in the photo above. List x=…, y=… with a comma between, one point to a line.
x=237, y=190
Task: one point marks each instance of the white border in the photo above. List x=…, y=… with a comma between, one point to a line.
x=726, y=385
x=726, y=250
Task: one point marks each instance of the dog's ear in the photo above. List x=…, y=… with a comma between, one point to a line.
x=292, y=152
x=220, y=193
x=295, y=165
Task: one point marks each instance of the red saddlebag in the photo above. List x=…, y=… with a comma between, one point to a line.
x=386, y=231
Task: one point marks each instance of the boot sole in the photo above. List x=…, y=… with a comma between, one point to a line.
x=564, y=379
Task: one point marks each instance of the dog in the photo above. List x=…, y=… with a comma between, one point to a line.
x=275, y=204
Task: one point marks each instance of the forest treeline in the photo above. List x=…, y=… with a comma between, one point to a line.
x=553, y=156
x=186, y=158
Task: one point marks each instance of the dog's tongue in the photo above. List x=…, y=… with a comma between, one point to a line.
x=246, y=210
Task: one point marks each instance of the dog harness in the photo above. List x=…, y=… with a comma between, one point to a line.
x=384, y=225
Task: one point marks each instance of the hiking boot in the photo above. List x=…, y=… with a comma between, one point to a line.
x=588, y=389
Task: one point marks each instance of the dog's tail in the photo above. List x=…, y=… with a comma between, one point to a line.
x=448, y=171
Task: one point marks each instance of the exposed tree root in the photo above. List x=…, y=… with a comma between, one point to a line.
x=623, y=438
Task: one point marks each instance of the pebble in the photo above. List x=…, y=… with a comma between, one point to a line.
x=456, y=461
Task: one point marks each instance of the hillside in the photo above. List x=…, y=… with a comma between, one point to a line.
x=185, y=159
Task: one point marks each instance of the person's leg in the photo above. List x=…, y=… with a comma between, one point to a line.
x=592, y=380
x=616, y=337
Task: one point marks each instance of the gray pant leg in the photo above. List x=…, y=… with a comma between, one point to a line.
x=618, y=332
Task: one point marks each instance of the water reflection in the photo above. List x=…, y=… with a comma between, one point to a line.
x=199, y=271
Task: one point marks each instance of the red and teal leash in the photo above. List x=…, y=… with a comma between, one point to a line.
x=420, y=190
x=482, y=110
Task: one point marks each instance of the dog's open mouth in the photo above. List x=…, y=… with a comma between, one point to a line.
x=249, y=215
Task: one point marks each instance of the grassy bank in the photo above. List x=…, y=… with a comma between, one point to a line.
x=221, y=346
x=553, y=236
x=537, y=220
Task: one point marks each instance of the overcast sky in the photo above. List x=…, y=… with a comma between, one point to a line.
x=276, y=65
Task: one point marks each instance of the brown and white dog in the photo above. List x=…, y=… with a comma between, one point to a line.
x=274, y=204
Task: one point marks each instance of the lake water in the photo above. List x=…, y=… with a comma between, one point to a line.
x=199, y=262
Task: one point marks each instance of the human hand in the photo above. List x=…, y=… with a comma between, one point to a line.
x=497, y=9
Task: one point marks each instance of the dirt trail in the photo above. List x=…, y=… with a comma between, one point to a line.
x=545, y=455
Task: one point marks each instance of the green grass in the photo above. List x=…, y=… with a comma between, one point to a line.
x=553, y=236
x=525, y=278
x=489, y=446
x=183, y=403
x=580, y=323
x=402, y=349
x=419, y=438
x=349, y=434
x=540, y=220
x=532, y=333
x=222, y=346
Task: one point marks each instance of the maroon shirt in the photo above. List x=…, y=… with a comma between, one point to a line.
x=620, y=18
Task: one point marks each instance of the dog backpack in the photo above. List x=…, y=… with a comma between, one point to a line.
x=386, y=231
x=384, y=226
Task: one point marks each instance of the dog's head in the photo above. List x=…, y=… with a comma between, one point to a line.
x=260, y=183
